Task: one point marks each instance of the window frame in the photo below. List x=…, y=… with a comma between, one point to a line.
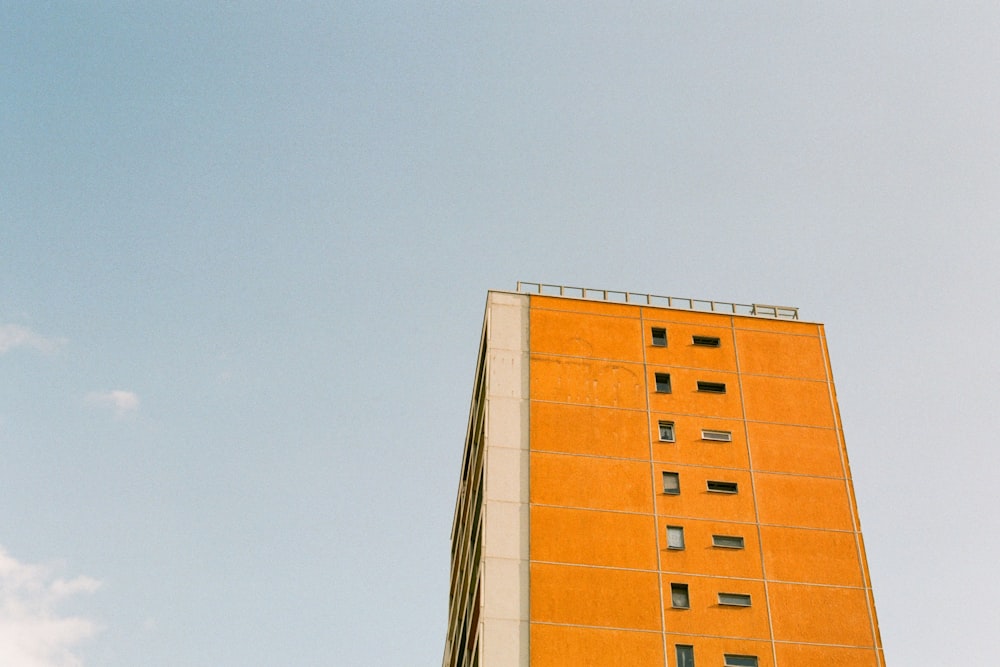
x=676, y=476
x=739, y=660
x=678, y=530
x=663, y=424
x=723, y=436
x=706, y=341
x=718, y=545
x=706, y=387
x=658, y=379
x=658, y=334
x=679, y=589
x=720, y=486
x=735, y=600
x=687, y=659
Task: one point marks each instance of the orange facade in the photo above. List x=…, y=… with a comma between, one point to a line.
x=774, y=484
x=656, y=487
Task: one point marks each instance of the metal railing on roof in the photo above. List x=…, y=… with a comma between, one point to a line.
x=700, y=305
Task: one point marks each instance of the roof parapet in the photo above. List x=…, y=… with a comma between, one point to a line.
x=701, y=305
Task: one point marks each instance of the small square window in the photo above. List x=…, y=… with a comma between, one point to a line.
x=679, y=596
x=663, y=383
x=675, y=537
x=659, y=337
x=671, y=483
x=718, y=436
x=734, y=599
x=666, y=431
x=705, y=341
x=685, y=656
x=727, y=541
x=712, y=387
x=722, y=487
x=740, y=660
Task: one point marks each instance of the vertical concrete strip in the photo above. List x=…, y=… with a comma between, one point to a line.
x=505, y=536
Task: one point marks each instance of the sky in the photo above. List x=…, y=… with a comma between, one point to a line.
x=245, y=250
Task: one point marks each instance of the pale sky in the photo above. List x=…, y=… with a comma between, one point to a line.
x=245, y=248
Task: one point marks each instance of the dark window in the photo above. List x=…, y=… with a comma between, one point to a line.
x=679, y=596
x=734, y=599
x=722, y=487
x=727, y=541
x=659, y=337
x=705, y=341
x=671, y=483
x=675, y=537
x=712, y=387
x=740, y=660
x=666, y=431
x=685, y=656
x=663, y=383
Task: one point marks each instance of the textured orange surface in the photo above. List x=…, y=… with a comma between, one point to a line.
x=577, y=334
x=590, y=482
x=828, y=656
x=562, y=645
x=781, y=354
x=795, y=449
x=589, y=537
x=600, y=569
x=820, y=614
x=586, y=381
x=821, y=557
x=595, y=596
x=562, y=427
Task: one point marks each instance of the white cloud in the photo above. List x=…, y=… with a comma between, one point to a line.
x=14, y=335
x=122, y=402
x=32, y=632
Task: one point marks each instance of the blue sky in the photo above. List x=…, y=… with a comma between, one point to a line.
x=244, y=251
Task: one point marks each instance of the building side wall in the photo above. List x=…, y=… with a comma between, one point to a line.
x=504, y=625
x=600, y=570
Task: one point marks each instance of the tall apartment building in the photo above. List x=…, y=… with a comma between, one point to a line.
x=649, y=484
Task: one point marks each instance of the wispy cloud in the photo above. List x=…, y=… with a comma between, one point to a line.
x=122, y=402
x=32, y=631
x=15, y=335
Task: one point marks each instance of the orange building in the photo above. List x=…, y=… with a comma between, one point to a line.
x=653, y=481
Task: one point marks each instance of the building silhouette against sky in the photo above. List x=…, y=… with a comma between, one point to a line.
x=654, y=481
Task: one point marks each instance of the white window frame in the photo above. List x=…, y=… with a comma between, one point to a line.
x=716, y=435
x=669, y=425
x=734, y=600
x=675, y=544
x=668, y=474
x=680, y=588
x=719, y=545
x=722, y=486
x=655, y=338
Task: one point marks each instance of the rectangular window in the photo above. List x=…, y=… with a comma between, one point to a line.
x=722, y=487
x=718, y=436
x=663, y=383
x=675, y=537
x=679, y=596
x=685, y=656
x=671, y=483
x=727, y=541
x=666, y=431
x=712, y=387
x=659, y=337
x=740, y=660
x=705, y=341
x=734, y=599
